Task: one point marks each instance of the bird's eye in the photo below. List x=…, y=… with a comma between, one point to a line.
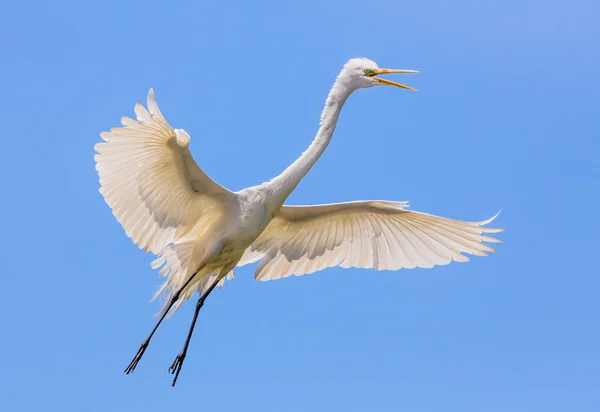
x=370, y=72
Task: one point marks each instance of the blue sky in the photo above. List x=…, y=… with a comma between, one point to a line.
x=506, y=117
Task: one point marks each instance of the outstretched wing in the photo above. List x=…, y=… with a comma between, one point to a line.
x=151, y=182
x=367, y=234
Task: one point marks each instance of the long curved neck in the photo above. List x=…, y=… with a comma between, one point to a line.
x=283, y=185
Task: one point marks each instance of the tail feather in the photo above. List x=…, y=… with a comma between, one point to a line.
x=179, y=262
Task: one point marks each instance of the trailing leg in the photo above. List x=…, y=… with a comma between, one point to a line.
x=175, y=368
x=132, y=365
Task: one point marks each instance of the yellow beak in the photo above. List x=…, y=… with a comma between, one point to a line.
x=389, y=82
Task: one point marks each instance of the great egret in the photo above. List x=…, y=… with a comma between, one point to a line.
x=201, y=231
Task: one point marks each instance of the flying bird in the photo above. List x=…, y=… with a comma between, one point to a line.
x=200, y=231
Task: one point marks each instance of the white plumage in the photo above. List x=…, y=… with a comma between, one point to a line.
x=201, y=231
x=371, y=234
x=150, y=180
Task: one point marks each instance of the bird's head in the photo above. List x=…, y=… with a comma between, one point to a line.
x=361, y=73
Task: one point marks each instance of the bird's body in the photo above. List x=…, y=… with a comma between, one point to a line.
x=216, y=246
x=201, y=231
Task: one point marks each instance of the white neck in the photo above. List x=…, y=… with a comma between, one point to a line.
x=283, y=185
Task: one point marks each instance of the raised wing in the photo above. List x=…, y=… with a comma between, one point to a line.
x=367, y=234
x=151, y=182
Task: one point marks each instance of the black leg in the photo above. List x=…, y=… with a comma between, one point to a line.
x=130, y=368
x=178, y=363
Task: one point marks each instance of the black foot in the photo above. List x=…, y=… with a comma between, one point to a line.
x=176, y=366
x=137, y=357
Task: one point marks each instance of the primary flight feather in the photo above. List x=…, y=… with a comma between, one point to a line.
x=200, y=231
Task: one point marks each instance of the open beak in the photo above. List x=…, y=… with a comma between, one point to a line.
x=389, y=82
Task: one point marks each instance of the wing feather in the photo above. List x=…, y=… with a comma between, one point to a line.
x=151, y=182
x=381, y=235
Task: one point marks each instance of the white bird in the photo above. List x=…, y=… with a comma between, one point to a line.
x=201, y=231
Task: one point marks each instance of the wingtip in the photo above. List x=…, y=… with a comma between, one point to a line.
x=151, y=102
x=485, y=222
x=490, y=239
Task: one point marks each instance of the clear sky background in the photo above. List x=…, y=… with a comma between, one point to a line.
x=506, y=117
